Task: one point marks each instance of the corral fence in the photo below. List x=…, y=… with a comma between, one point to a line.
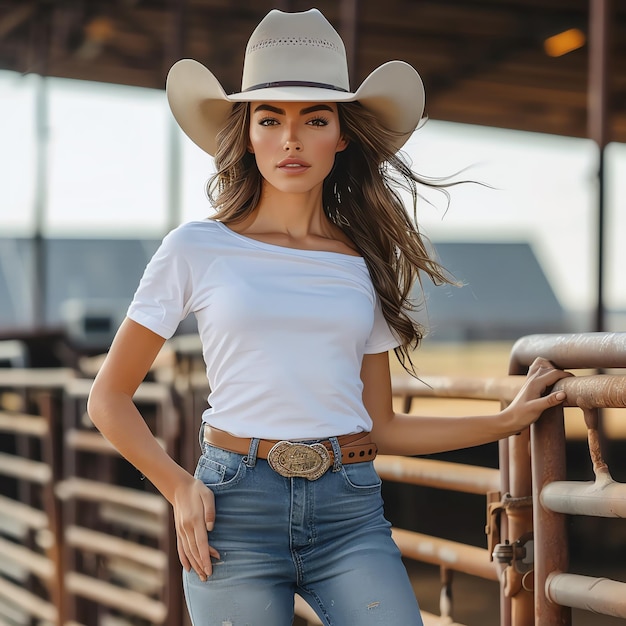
x=85, y=541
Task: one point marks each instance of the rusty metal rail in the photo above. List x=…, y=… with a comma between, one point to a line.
x=571, y=351
x=528, y=497
x=554, y=497
x=527, y=516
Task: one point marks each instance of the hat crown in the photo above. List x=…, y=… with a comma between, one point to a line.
x=295, y=47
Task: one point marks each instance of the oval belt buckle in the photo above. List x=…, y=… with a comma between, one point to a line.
x=300, y=460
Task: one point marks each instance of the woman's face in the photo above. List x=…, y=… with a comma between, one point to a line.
x=294, y=143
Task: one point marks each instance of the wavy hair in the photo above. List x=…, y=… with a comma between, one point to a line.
x=361, y=195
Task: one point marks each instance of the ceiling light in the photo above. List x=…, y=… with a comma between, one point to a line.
x=567, y=41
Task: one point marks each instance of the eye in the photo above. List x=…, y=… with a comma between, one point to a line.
x=318, y=121
x=268, y=121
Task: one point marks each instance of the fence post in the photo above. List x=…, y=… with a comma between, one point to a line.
x=550, y=534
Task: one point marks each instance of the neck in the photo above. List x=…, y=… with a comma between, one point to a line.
x=297, y=215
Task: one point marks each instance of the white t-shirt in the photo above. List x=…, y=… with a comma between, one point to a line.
x=283, y=330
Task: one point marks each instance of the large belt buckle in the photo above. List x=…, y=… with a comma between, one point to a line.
x=300, y=460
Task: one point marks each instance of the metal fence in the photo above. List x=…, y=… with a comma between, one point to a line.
x=83, y=540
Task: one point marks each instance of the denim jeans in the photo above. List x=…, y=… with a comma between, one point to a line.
x=326, y=540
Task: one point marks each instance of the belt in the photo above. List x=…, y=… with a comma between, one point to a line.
x=296, y=458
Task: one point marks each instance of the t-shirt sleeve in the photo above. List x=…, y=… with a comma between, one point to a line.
x=381, y=338
x=162, y=297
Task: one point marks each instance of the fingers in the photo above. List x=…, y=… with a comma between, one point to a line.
x=194, y=515
x=541, y=366
x=538, y=364
x=542, y=375
x=545, y=373
x=214, y=553
x=194, y=550
x=549, y=377
x=201, y=540
x=541, y=403
x=188, y=544
x=532, y=399
x=208, y=501
x=182, y=554
x=555, y=398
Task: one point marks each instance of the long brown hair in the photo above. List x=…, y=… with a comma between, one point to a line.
x=361, y=195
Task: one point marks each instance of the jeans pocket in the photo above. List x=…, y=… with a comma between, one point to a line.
x=219, y=468
x=361, y=477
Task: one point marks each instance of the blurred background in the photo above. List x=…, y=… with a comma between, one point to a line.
x=525, y=97
x=522, y=95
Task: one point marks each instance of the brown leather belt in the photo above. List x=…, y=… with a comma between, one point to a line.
x=297, y=458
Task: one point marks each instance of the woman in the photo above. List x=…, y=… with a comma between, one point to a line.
x=301, y=284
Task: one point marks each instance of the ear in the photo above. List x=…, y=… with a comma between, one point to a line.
x=342, y=144
x=250, y=148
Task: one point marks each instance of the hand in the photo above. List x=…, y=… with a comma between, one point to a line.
x=530, y=401
x=194, y=516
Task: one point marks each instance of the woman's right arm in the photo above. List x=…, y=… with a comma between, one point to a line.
x=112, y=410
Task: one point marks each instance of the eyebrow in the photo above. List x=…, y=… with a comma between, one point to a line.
x=305, y=111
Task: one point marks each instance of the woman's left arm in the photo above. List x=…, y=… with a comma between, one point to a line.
x=398, y=433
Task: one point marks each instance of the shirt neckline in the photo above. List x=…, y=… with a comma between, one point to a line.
x=286, y=249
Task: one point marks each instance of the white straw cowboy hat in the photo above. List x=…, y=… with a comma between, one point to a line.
x=293, y=57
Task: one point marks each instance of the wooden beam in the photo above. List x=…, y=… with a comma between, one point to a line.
x=100, y=543
x=30, y=517
x=25, y=469
x=22, y=424
x=35, y=563
x=116, y=597
x=28, y=602
x=91, y=490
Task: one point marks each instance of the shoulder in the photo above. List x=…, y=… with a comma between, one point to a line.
x=195, y=228
x=190, y=233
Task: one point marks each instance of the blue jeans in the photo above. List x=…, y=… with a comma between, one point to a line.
x=326, y=540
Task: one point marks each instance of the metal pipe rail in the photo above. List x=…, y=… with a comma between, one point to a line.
x=554, y=497
x=582, y=351
x=500, y=389
x=449, y=554
x=598, y=595
x=510, y=490
x=602, y=498
x=570, y=351
x=438, y=474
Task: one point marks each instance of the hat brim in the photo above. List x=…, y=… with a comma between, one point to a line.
x=394, y=92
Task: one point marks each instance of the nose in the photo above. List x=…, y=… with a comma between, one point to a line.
x=291, y=137
x=292, y=145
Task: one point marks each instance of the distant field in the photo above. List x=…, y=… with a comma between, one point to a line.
x=468, y=359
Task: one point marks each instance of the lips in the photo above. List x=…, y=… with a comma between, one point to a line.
x=295, y=165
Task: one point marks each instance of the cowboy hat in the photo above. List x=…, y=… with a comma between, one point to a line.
x=293, y=57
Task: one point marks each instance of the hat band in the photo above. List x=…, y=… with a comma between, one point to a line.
x=295, y=83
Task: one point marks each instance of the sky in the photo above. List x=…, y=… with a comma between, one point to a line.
x=109, y=156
